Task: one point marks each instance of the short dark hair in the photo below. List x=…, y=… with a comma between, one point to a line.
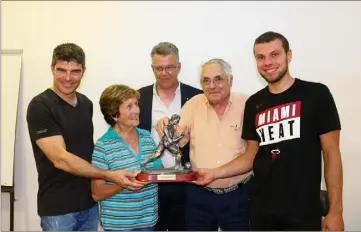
x=68, y=52
x=111, y=99
x=271, y=36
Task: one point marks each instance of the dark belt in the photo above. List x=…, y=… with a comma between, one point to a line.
x=221, y=191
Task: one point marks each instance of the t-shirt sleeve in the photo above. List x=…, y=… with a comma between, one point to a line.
x=327, y=115
x=41, y=121
x=98, y=157
x=248, y=129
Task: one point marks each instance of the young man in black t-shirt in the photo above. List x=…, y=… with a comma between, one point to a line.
x=287, y=126
x=61, y=132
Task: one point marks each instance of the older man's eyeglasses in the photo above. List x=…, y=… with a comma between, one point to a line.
x=218, y=80
x=168, y=69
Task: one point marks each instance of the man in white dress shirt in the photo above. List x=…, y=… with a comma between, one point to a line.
x=165, y=98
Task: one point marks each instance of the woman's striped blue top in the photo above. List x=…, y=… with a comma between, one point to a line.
x=127, y=209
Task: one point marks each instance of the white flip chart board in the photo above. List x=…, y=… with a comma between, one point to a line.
x=11, y=64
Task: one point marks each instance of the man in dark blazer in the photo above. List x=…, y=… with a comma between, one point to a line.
x=165, y=98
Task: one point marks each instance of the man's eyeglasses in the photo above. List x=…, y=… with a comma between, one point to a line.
x=168, y=69
x=218, y=80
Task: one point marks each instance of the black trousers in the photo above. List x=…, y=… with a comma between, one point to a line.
x=171, y=207
x=265, y=222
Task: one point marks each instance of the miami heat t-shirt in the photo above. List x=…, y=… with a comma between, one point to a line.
x=287, y=167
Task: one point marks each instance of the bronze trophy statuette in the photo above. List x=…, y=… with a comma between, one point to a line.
x=178, y=173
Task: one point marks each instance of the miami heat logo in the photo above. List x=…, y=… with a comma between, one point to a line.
x=279, y=123
x=274, y=153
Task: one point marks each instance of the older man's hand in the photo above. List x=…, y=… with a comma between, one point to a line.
x=205, y=176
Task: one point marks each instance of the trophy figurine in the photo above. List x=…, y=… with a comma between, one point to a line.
x=169, y=142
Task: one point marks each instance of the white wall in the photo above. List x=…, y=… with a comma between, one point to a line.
x=118, y=36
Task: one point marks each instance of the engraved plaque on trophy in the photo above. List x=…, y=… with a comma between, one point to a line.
x=169, y=142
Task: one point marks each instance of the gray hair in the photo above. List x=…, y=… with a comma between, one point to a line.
x=165, y=48
x=225, y=66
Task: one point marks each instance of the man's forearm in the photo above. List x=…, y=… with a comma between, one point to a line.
x=105, y=191
x=241, y=165
x=334, y=180
x=80, y=167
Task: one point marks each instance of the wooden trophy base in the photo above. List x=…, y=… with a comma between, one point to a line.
x=169, y=177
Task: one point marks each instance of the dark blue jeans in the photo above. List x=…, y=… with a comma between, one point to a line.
x=207, y=211
x=86, y=220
